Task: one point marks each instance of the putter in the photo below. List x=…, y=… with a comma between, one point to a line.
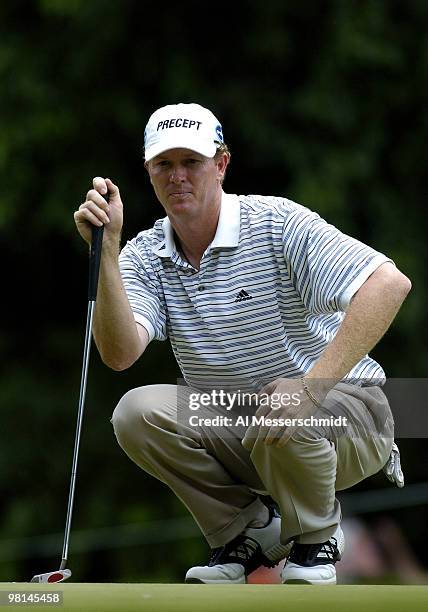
x=94, y=268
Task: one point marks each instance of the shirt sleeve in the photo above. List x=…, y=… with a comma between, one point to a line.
x=326, y=266
x=142, y=289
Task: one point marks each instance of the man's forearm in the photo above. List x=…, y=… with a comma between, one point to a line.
x=115, y=331
x=368, y=317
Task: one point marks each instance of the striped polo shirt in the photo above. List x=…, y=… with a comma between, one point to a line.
x=271, y=292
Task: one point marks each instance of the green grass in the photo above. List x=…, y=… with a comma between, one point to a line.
x=233, y=598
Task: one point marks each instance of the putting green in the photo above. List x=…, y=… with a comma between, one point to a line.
x=229, y=598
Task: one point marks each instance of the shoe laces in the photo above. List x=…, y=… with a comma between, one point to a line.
x=240, y=550
x=314, y=554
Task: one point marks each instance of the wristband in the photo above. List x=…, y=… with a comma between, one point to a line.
x=309, y=394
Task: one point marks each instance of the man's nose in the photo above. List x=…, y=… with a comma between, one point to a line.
x=178, y=174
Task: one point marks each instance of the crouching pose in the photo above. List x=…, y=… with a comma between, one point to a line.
x=255, y=293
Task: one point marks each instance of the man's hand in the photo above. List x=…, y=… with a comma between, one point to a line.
x=96, y=211
x=288, y=400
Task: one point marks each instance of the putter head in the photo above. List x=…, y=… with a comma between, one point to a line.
x=51, y=577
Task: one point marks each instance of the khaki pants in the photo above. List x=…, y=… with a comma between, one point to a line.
x=218, y=479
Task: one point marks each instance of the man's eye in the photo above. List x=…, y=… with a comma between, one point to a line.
x=162, y=164
x=193, y=161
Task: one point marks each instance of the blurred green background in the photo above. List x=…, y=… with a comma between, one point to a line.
x=322, y=102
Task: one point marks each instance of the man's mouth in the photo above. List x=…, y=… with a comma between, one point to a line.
x=177, y=194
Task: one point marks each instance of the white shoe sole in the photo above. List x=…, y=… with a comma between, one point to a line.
x=319, y=582
x=207, y=581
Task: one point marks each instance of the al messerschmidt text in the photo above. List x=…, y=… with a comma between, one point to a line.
x=264, y=421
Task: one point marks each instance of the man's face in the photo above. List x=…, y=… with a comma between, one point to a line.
x=185, y=182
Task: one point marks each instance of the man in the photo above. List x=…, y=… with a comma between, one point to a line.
x=262, y=294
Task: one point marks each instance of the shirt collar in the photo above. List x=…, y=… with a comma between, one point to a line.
x=166, y=247
x=227, y=232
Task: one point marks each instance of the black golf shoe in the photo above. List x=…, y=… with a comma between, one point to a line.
x=233, y=562
x=314, y=563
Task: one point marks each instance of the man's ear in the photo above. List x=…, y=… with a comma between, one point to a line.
x=146, y=167
x=222, y=163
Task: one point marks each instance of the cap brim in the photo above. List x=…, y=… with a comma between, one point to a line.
x=207, y=149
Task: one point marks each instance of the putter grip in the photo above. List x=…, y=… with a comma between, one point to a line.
x=95, y=259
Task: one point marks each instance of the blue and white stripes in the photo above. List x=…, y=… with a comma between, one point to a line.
x=298, y=274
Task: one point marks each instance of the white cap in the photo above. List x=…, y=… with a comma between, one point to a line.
x=182, y=126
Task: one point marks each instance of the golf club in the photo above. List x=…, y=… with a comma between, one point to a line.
x=94, y=268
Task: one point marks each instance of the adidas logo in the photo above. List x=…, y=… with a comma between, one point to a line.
x=243, y=295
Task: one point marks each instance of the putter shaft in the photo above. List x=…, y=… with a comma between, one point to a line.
x=82, y=396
